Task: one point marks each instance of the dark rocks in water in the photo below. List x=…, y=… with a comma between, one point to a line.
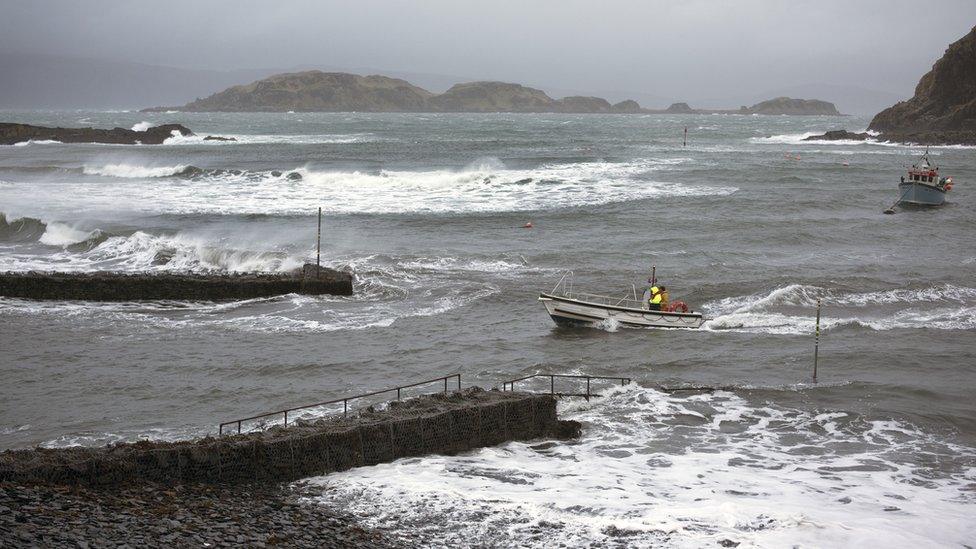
x=189, y=171
x=114, y=286
x=219, y=138
x=293, y=176
x=11, y=133
x=626, y=106
x=679, y=108
x=840, y=135
x=943, y=109
x=275, y=173
x=440, y=423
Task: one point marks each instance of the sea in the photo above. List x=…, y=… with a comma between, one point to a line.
x=746, y=223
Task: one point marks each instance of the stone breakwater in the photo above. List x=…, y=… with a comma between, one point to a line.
x=111, y=286
x=180, y=516
x=445, y=423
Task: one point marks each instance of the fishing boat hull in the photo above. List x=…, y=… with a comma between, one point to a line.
x=566, y=311
x=920, y=194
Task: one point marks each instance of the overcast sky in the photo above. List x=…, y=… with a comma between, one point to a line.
x=681, y=48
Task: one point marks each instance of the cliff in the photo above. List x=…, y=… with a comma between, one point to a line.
x=18, y=133
x=316, y=91
x=944, y=106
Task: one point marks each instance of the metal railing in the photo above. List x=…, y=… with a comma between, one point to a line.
x=344, y=401
x=510, y=385
x=628, y=300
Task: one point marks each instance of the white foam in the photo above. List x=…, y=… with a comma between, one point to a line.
x=60, y=234
x=36, y=142
x=658, y=470
x=133, y=171
x=801, y=139
x=484, y=187
x=142, y=126
x=260, y=139
x=790, y=309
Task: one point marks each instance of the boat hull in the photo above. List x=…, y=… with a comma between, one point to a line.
x=572, y=312
x=920, y=194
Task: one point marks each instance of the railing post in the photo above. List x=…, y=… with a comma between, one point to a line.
x=286, y=418
x=587, y=388
x=238, y=427
x=552, y=385
x=445, y=384
x=459, y=382
x=345, y=402
x=220, y=430
x=398, y=393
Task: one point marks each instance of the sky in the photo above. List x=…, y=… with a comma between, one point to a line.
x=711, y=53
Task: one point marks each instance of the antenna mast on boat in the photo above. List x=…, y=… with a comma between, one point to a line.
x=318, y=247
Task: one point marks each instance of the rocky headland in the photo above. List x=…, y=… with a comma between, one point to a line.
x=12, y=133
x=943, y=109
x=317, y=91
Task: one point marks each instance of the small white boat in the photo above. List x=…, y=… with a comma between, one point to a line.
x=568, y=308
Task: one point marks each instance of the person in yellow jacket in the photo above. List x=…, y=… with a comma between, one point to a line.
x=665, y=299
x=654, y=299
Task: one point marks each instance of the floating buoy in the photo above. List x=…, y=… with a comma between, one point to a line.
x=527, y=225
x=847, y=164
x=797, y=157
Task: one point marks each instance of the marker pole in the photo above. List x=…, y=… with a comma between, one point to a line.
x=816, y=344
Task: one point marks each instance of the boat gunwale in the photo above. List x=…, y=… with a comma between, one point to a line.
x=617, y=307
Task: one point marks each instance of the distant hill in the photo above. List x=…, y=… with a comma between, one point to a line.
x=778, y=106
x=787, y=105
x=317, y=91
x=944, y=106
x=491, y=97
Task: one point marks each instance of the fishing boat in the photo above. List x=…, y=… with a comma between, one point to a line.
x=569, y=308
x=923, y=186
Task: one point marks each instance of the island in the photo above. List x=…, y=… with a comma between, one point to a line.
x=777, y=106
x=318, y=91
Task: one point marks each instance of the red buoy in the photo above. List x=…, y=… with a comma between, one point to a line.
x=527, y=225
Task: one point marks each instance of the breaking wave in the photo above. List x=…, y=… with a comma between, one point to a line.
x=801, y=139
x=484, y=186
x=791, y=310
x=699, y=470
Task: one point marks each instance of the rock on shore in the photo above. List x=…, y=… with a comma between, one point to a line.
x=943, y=109
x=11, y=133
x=182, y=516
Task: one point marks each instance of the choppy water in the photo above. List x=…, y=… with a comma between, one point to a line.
x=746, y=223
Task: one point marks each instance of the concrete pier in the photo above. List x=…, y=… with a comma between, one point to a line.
x=113, y=286
x=444, y=423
